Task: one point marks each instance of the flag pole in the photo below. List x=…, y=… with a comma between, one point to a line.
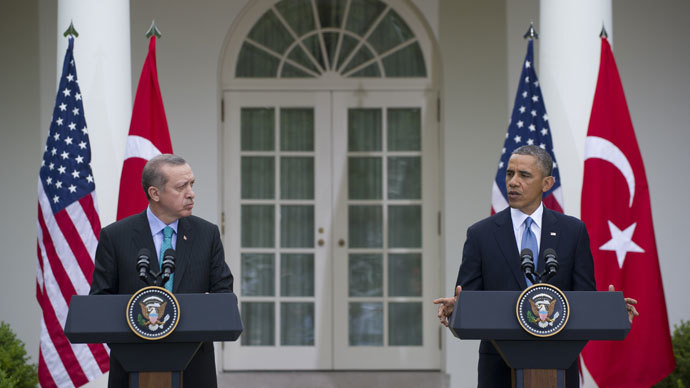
x=531, y=32
x=153, y=30
x=603, y=33
x=71, y=31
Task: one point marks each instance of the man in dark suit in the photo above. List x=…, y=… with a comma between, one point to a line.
x=491, y=255
x=200, y=261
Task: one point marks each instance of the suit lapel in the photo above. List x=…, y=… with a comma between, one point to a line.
x=142, y=239
x=183, y=251
x=505, y=238
x=550, y=232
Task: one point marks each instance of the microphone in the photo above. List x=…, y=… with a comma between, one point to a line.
x=551, y=263
x=168, y=264
x=143, y=263
x=527, y=263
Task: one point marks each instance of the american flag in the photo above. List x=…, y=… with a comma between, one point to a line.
x=529, y=125
x=68, y=227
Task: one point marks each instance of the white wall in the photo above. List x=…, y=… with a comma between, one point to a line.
x=475, y=118
x=20, y=158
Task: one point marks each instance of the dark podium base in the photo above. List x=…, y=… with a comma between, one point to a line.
x=155, y=379
x=538, y=378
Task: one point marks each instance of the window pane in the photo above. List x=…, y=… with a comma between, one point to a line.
x=290, y=71
x=254, y=62
x=404, y=226
x=297, y=177
x=297, y=129
x=258, y=274
x=364, y=129
x=362, y=55
x=391, y=32
x=270, y=32
x=330, y=12
x=297, y=226
x=258, y=226
x=346, y=46
x=404, y=129
x=298, y=55
x=366, y=324
x=366, y=274
x=364, y=178
x=404, y=274
x=362, y=14
x=258, y=321
x=405, y=324
x=258, y=129
x=330, y=39
x=405, y=177
x=369, y=71
x=298, y=14
x=313, y=44
x=297, y=324
x=406, y=62
x=297, y=274
x=365, y=224
x=258, y=180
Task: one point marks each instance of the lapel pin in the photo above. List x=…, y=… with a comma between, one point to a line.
x=552, y=233
x=184, y=237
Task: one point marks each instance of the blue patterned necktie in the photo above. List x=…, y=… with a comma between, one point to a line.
x=530, y=241
x=167, y=244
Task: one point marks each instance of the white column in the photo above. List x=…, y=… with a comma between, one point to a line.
x=569, y=48
x=102, y=54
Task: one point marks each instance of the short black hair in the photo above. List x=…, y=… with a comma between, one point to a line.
x=543, y=158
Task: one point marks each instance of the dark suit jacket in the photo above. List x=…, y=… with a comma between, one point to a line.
x=199, y=267
x=491, y=261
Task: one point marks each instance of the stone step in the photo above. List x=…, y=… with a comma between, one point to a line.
x=333, y=379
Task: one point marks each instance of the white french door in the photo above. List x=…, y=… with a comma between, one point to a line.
x=331, y=203
x=277, y=201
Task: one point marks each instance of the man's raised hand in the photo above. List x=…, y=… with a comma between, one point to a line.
x=446, y=306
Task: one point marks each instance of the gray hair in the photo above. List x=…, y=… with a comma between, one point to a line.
x=152, y=176
x=544, y=160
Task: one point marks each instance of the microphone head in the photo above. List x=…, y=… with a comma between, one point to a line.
x=526, y=253
x=143, y=253
x=169, y=254
x=550, y=253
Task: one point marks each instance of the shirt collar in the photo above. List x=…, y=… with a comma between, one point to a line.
x=519, y=217
x=156, y=224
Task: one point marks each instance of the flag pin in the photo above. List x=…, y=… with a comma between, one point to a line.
x=552, y=233
x=184, y=236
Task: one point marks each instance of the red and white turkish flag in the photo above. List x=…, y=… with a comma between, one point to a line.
x=617, y=212
x=148, y=137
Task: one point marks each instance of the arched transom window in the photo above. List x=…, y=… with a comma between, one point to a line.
x=310, y=38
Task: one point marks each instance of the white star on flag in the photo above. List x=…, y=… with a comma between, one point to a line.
x=621, y=242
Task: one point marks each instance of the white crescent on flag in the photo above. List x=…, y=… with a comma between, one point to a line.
x=140, y=147
x=600, y=148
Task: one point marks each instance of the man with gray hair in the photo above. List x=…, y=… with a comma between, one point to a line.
x=167, y=223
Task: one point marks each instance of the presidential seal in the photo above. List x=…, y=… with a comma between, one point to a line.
x=542, y=310
x=153, y=313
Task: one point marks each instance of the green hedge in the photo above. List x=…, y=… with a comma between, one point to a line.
x=15, y=371
x=680, y=378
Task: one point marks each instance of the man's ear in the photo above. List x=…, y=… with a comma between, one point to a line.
x=547, y=183
x=154, y=193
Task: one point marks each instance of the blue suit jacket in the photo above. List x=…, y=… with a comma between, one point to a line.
x=491, y=261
